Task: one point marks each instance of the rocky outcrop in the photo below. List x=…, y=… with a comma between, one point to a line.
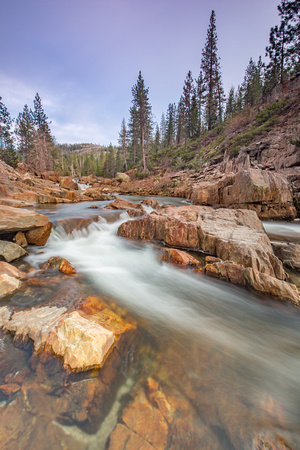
x=267, y=193
x=234, y=236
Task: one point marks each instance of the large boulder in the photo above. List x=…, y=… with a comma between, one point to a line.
x=36, y=227
x=122, y=177
x=237, y=237
x=267, y=193
x=68, y=183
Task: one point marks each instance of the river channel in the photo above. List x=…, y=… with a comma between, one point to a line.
x=229, y=357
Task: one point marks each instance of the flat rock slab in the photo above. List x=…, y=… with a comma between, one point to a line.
x=15, y=219
x=81, y=342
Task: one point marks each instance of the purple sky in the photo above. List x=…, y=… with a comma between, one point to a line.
x=83, y=56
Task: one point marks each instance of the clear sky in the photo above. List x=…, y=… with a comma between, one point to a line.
x=83, y=56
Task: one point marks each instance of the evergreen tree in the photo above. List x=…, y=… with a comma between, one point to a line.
x=210, y=65
x=7, y=151
x=133, y=131
x=163, y=131
x=188, y=94
x=200, y=91
x=253, y=83
x=25, y=132
x=170, y=124
x=141, y=112
x=123, y=145
x=157, y=139
x=40, y=157
x=230, y=104
x=180, y=122
x=284, y=48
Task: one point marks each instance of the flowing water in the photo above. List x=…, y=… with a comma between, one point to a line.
x=229, y=356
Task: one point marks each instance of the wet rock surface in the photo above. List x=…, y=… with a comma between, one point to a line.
x=237, y=237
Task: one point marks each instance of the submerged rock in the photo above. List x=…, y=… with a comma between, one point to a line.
x=8, y=284
x=82, y=338
x=81, y=342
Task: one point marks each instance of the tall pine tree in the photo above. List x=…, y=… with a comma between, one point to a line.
x=284, y=48
x=210, y=65
x=7, y=151
x=141, y=116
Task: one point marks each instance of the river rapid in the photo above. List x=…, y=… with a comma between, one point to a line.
x=234, y=356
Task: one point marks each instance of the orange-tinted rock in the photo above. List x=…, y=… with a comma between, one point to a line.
x=40, y=235
x=234, y=235
x=68, y=183
x=146, y=421
x=20, y=239
x=8, y=285
x=82, y=343
x=15, y=219
x=10, y=388
x=151, y=202
x=12, y=271
x=227, y=270
x=179, y=257
x=66, y=267
x=69, y=225
x=120, y=203
x=266, y=284
x=122, y=438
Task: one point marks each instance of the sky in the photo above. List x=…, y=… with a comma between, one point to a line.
x=83, y=56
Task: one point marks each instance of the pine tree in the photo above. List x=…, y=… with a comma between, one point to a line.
x=40, y=157
x=230, y=105
x=253, y=83
x=180, y=131
x=170, y=124
x=210, y=65
x=188, y=94
x=7, y=151
x=284, y=48
x=123, y=145
x=25, y=132
x=141, y=113
x=200, y=91
x=163, y=131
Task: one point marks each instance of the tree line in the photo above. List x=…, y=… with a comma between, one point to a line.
x=202, y=107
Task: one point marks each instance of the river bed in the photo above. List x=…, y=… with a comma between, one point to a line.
x=226, y=359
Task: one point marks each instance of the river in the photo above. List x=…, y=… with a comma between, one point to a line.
x=230, y=355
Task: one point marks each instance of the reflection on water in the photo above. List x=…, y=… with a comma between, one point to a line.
x=227, y=360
